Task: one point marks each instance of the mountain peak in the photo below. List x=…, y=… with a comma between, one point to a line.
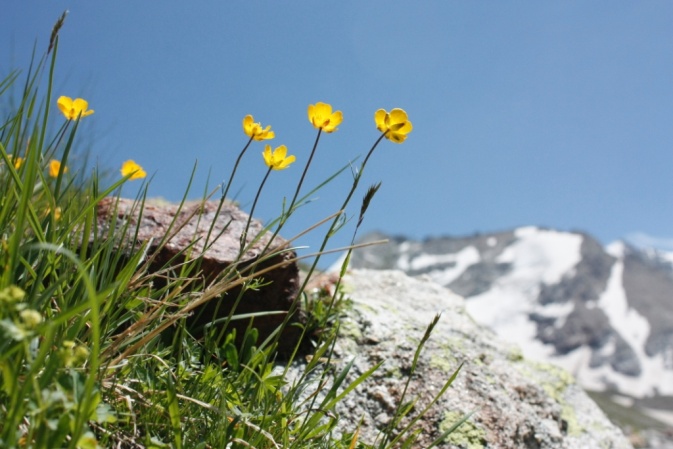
x=603, y=313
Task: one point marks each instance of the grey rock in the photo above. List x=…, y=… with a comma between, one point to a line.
x=649, y=284
x=608, y=318
x=515, y=402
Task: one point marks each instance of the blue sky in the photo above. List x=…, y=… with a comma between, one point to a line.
x=557, y=114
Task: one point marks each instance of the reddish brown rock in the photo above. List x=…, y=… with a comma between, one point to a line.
x=211, y=233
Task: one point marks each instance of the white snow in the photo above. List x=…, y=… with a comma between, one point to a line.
x=538, y=256
x=462, y=259
x=635, y=329
x=543, y=255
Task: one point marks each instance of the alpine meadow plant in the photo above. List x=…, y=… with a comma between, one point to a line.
x=84, y=358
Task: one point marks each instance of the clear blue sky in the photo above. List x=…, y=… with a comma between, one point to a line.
x=557, y=114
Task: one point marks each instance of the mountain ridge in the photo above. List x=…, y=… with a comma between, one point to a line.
x=605, y=313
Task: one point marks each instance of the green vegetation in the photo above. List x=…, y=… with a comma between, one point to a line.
x=84, y=359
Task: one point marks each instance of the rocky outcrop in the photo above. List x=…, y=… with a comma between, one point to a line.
x=515, y=402
x=603, y=313
x=209, y=233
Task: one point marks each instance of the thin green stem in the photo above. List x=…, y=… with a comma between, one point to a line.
x=286, y=214
x=224, y=193
x=233, y=171
x=301, y=180
x=244, y=235
x=356, y=181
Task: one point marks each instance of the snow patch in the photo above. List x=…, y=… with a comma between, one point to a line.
x=634, y=329
x=538, y=256
x=541, y=255
x=462, y=260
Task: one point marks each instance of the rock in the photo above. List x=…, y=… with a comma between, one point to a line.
x=186, y=230
x=516, y=403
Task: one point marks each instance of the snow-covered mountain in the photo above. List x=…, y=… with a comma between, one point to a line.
x=603, y=313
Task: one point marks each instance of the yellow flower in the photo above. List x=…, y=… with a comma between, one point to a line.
x=394, y=124
x=131, y=168
x=57, y=213
x=278, y=159
x=17, y=161
x=11, y=294
x=55, y=167
x=321, y=116
x=255, y=130
x=31, y=318
x=73, y=109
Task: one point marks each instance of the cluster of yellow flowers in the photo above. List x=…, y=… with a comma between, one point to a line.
x=395, y=126
x=74, y=110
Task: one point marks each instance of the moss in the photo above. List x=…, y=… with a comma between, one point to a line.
x=467, y=436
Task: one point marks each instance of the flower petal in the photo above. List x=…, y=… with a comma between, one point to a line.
x=285, y=163
x=406, y=128
x=55, y=168
x=323, y=110
x=131, y=168
x=65, y=105
x=398, y=115
x=380, y=119
x=247, y=122
x=268, y=156
x=311, y=113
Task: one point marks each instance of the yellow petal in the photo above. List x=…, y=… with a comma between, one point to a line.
x=80, y=107
x=268, y=157
x=336, y=119
x=131, y=168
x=280, y=152
x=311, y=113
x=65, y=102
x=55, y=168
x=380, y=119
x=398, y=115
x=266, y=134
x=247, y=123
x=406, y=128
x=323, y=110
x=397, y=138
x=65, y=105
x=285, y=163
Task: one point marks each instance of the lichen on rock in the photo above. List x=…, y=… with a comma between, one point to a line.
x=515, y=403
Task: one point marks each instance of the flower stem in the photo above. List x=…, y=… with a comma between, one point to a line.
x=356, y=181
x=233, y=171
x=301, y=180
x=244, y=235
x=224, y=193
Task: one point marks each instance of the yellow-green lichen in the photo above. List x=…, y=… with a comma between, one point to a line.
x=515, y=355
x=443, y=362
x=554, y=381
x=443, y=357
x=350, y=329
x=467, y=436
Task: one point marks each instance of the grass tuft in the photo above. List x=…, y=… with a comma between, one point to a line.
x=85, y=357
